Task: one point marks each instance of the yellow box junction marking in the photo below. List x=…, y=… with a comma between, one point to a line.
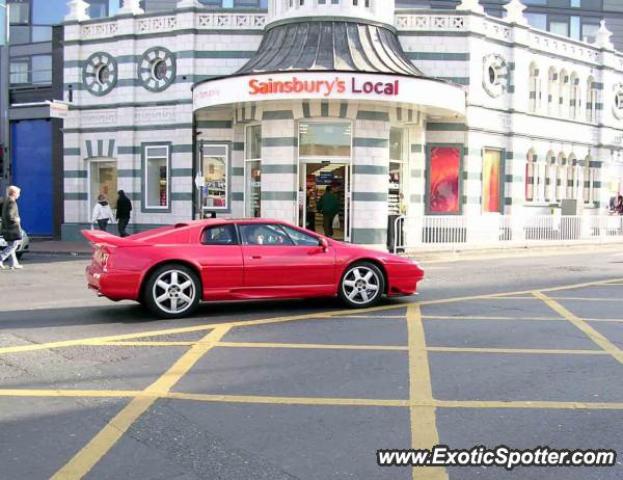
x=424, y=433
x=88, y=457
x=589, y=331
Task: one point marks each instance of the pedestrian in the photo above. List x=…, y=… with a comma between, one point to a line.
x=11, y=228
x=618, y=207
x=102, y=214
x=328, y=206
x=124, y=207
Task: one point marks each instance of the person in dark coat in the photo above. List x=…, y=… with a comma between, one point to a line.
x=11, y=227
x=124, y=207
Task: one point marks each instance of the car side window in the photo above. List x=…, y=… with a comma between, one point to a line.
x=219, y=235
x=301, y=239
x=264, y=234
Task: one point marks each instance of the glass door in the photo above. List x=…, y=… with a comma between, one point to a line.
x=325, y=199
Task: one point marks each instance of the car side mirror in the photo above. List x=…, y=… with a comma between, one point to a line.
x=324, y=244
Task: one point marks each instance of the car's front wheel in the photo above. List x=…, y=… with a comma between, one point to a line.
x=362, y=285
x=172, y=291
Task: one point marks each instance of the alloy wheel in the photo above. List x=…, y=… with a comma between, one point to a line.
x=174, y=291
x=361, y=285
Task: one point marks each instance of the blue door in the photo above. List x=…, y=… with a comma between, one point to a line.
x=31, y=160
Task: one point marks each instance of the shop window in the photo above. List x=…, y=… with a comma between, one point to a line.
x=103, y=181
x=395, y=197
x=326, y=139
x=443, y=179
x=156, y=170
x=215, y=168
x=253, y=171
x=492, y=178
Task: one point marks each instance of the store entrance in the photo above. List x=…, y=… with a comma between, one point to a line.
x=324, y=199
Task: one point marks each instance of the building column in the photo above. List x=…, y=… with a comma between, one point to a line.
x=370, y=171
x=279, y=164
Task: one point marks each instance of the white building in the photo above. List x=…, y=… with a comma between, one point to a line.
x=248, y=113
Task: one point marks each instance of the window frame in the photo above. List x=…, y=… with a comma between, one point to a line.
x=22, y=61
x=325, y=121
x=277, y=226
x=286, y=229
x=427, y=206
x=233, y=227
x=248, y=164
x=145, y=208
x=228, y=173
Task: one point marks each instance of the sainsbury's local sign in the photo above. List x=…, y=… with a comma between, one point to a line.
x=329, y=86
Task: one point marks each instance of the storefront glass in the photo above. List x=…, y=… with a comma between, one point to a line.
x=492, y=181
x=103, y=181
x=326, y=139
x=396, y=204
x=156, y=177
x=253, y=171
x=443, y=180
x=215, y=177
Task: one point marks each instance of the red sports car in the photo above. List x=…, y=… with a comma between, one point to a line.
x=170, y=269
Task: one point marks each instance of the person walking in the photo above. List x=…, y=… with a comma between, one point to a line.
x=124, y=207
x=328, y=207
x=102, y=214
x=11, y=228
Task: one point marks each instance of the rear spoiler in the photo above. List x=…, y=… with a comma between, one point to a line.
x=99, y=237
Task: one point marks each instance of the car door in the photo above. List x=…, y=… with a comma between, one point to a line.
x=278, y=265
x=220, y=257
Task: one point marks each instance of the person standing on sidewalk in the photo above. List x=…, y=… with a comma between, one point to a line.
x=11, y=227
x=329, y=207
x=124, y=207
x=102, y=214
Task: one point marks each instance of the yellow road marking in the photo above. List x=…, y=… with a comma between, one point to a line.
x=589, y=331
x=529, y=405
x=318, y=401
x=589, y=299
x=334, y=402
x=17, y=392
x=325, y=315
x=311, y=346
x=424, y=433
x=96, y=340
x=88, y=457
x=482, y=317
x=534, y=351
x=143, y=344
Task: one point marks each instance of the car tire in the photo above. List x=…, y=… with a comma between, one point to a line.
x=172, y=291
x=362, y=285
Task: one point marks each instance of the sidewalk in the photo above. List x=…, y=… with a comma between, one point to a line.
x=59, y=247
x=82, y=248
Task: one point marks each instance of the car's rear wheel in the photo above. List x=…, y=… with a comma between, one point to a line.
x=362, y=285
x=172, y=291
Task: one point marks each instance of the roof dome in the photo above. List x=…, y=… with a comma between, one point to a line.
x=330, y=44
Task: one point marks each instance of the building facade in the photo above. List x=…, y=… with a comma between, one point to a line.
x=420, y=112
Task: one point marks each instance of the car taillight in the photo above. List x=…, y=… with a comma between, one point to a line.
x=102, y=257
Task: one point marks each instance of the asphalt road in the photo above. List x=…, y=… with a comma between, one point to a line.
x=305, y=390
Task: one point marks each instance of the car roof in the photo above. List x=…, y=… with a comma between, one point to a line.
x=221, y=221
